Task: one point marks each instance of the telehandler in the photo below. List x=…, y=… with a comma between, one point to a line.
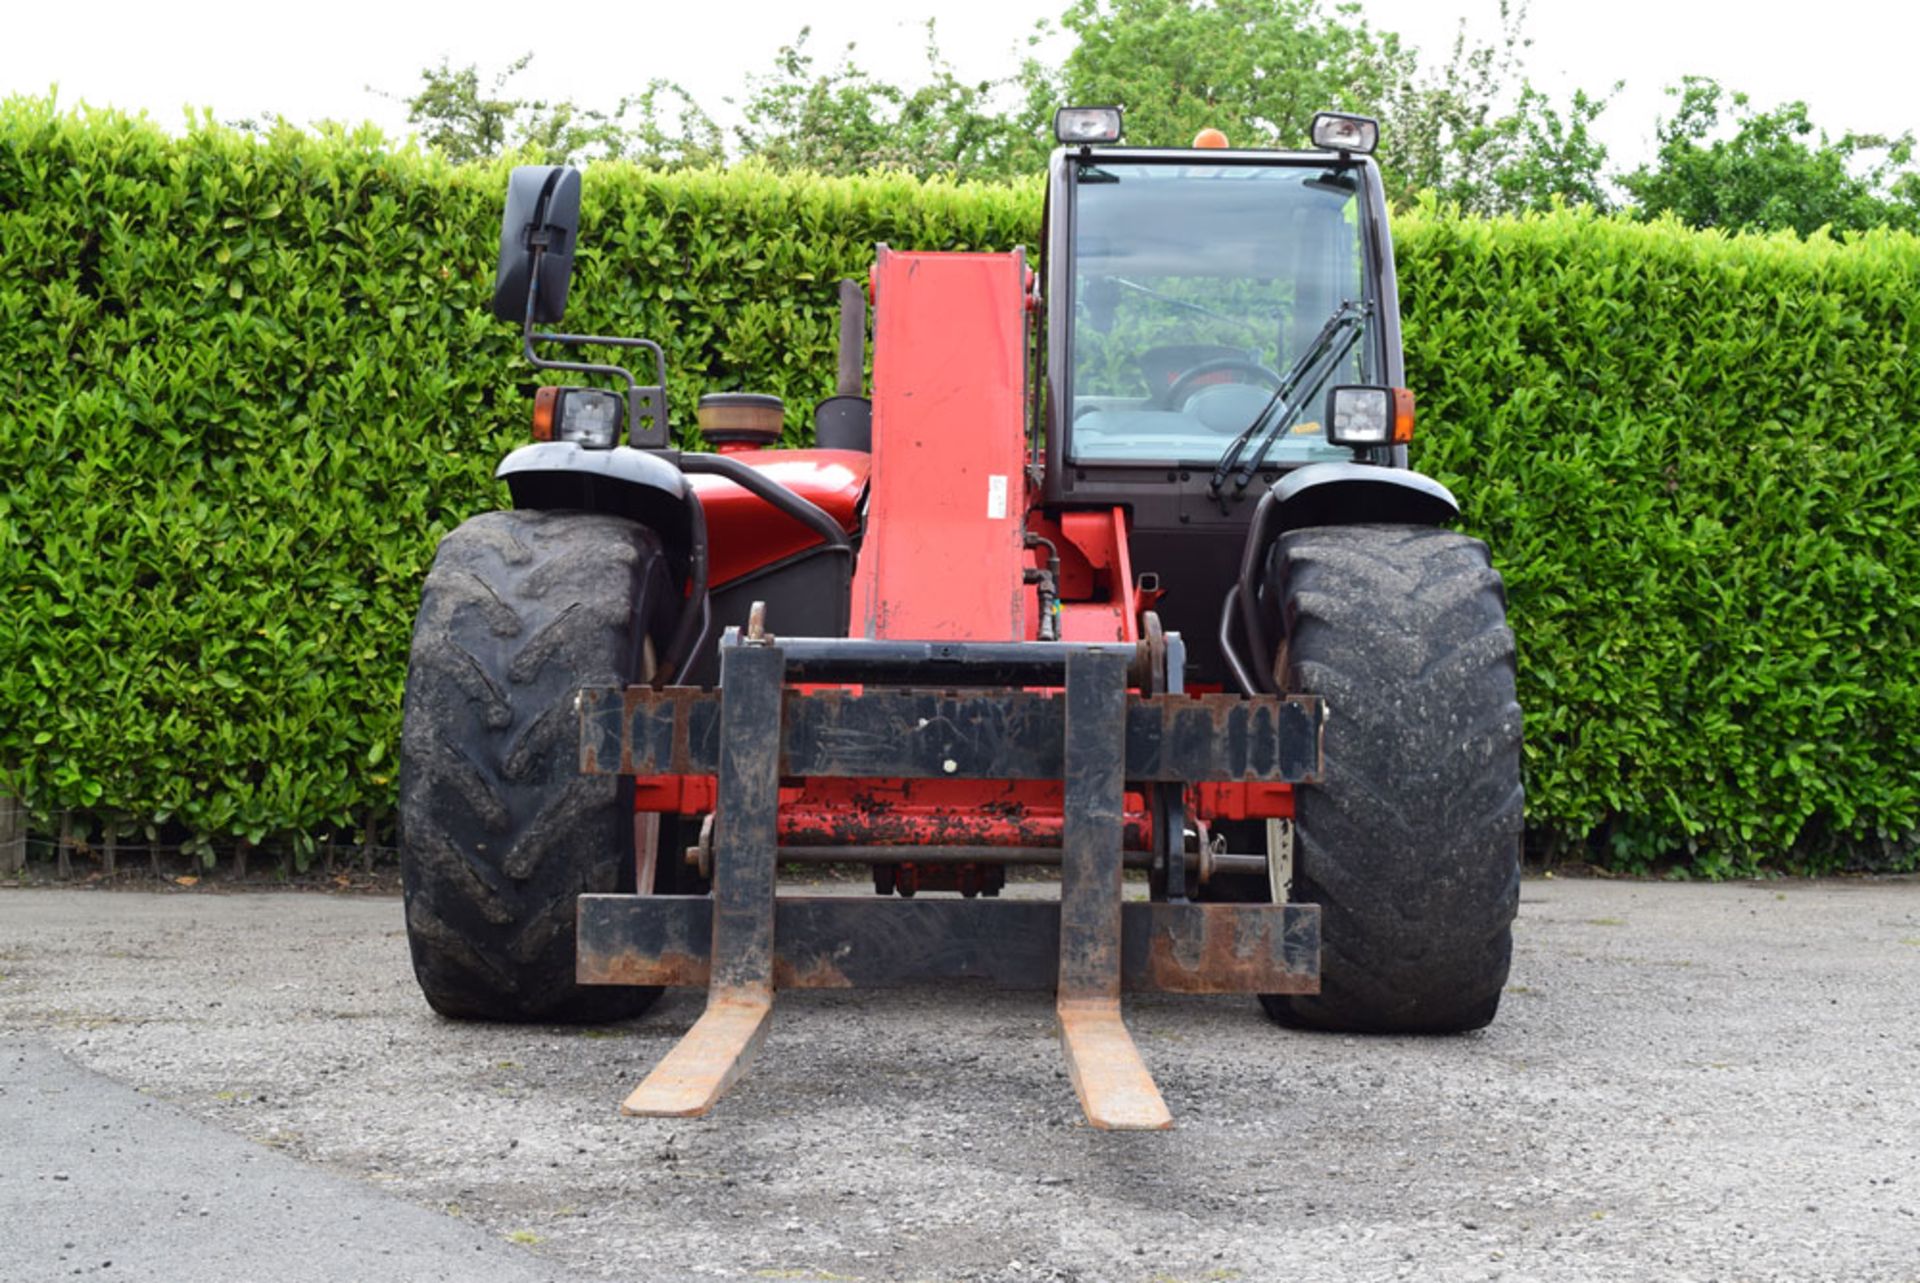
x=1120, y=566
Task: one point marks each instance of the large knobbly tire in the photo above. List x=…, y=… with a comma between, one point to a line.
x=1411, y=844
x=499, y=830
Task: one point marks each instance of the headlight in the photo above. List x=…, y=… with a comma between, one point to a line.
x=1359, y=416
x=588, y=416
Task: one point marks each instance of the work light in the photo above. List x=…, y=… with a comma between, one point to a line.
x=1087, y=125
x=1335, y=132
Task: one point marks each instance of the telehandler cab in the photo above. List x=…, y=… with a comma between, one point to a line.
x=1120, y=567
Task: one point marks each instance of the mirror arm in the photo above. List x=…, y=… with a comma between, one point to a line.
x=654, y=409
x=528, y=337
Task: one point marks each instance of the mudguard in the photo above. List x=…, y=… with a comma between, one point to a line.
x=1320, y=494
x=622, y=481
x=1354, y=494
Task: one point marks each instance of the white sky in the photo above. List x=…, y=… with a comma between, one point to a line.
x=1851, y=61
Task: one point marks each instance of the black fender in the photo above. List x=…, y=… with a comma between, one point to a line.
x=622, y=482
x=651, y=487
x=1320, y=494
x=1354, y=494
x=638, y=485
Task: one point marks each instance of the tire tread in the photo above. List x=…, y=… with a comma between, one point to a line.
x=500, y=833
x=1410, y=844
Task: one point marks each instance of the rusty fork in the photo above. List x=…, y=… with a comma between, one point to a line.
x=1111, y=1080
x=718, y=1048
x=1094, y=739
x=1115, y=1089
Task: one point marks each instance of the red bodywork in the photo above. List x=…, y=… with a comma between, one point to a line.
x=1098, y=598
x=745, y=533
x=943, y=508
x=943, y=556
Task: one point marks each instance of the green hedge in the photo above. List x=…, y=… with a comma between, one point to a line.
x=1698, y=462
x=246, y=383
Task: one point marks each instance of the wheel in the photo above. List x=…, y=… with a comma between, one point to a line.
x=1411, y=844
x=499, y=830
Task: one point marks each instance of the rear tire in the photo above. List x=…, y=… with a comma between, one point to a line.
x=499, y=830
x=1411, y=843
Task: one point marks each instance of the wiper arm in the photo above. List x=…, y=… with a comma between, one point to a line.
x=1341, y=344
x=1329, y=347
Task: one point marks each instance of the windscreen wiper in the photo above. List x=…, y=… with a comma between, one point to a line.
x=1307, y=375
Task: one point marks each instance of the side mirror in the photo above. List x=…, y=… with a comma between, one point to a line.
x=543, y=214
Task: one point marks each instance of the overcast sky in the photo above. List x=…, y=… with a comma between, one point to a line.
x=1852, y=62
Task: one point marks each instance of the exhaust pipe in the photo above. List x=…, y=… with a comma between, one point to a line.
x=844, y=421
x=853, y=338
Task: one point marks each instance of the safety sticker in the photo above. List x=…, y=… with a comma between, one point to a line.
x=996, y=497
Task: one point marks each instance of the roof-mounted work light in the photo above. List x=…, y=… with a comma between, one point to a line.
x=1335, y=132
x=1087, y=125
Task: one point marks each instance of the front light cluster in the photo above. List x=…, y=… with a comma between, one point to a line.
x=1359, y=415
x=589, y=417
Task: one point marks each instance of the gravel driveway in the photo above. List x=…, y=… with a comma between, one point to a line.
x=1686, y=1082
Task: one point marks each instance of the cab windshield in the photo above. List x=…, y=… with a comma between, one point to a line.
x=1214, y=304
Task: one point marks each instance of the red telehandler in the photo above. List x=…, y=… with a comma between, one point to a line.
x=1120, y=566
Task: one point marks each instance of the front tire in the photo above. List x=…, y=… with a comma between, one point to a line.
x=1411, y=843
x=500, y=832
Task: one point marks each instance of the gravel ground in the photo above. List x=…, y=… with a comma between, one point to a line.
x=1686, y=1083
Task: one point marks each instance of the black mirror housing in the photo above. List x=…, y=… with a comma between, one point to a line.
x=543, y=212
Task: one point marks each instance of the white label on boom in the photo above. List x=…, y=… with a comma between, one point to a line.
x=996, y=497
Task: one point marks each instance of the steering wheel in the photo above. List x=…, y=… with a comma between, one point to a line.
x=1176, y=393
